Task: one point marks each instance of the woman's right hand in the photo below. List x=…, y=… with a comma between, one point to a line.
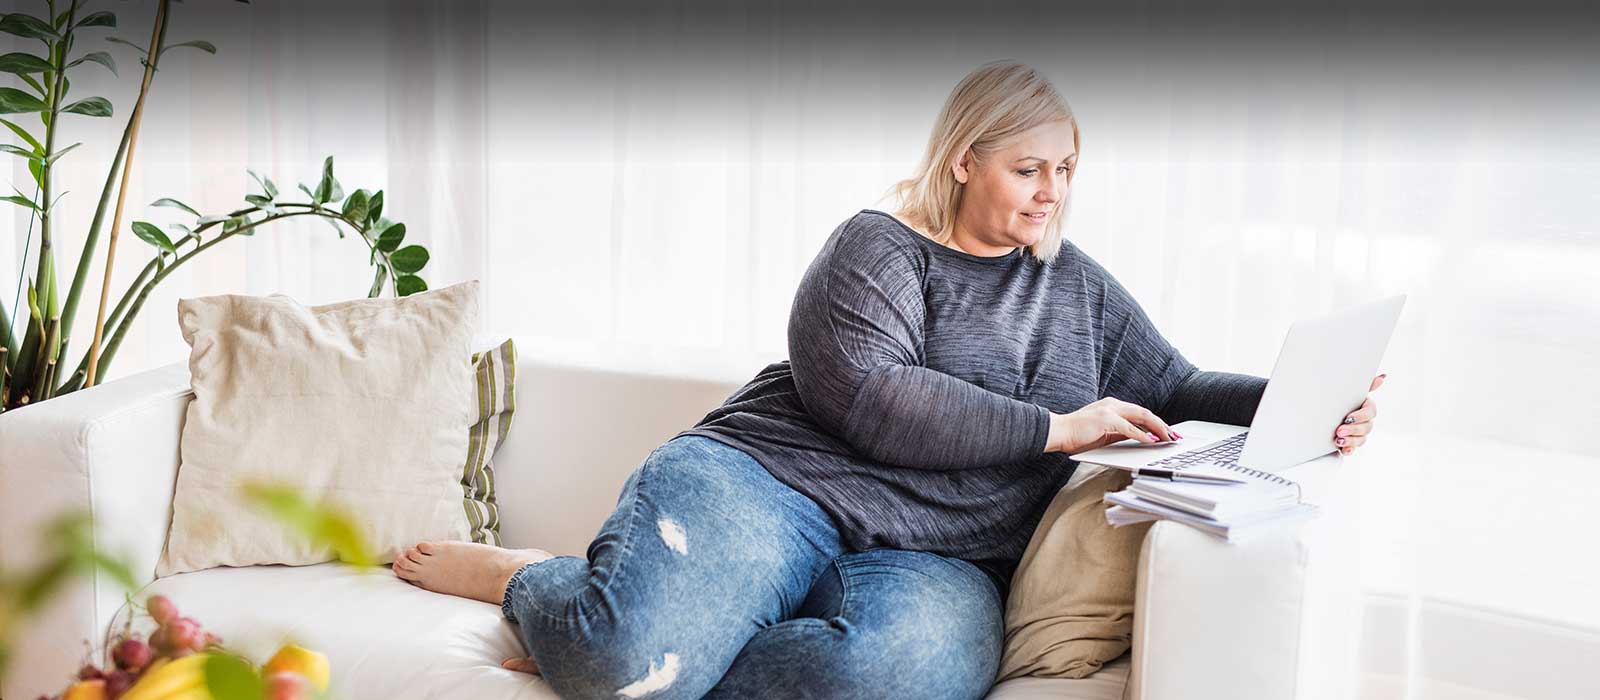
x=1102, y=423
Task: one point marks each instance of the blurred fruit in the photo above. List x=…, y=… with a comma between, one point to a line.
x=212, y=640
x=169, y=679
x=186, y=634
x=296, y=659
x=90, y=672
x=287, y=685
x=118, y=682
x=161, y=609
x=86, y=690
x=131, y=655
x=161, y=641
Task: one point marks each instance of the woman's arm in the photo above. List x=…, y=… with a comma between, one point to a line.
x=1219, y=397
x=855, y=347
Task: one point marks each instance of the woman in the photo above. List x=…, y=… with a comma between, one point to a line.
x=845, y=525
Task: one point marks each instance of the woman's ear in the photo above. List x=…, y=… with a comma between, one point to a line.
x=961, y=168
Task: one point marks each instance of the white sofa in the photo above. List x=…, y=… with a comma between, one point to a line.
x=1213, y=620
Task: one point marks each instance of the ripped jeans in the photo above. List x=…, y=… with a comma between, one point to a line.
x=713, y=579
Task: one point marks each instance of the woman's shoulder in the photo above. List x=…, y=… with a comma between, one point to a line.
x=875, y=237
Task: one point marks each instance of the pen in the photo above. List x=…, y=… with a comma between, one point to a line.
x=1171, y=475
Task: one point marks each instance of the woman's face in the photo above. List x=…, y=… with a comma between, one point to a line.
x=1008, y=198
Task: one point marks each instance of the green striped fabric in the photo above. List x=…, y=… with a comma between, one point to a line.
x=497, y=378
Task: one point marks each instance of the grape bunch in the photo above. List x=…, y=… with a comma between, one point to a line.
x=172, y=663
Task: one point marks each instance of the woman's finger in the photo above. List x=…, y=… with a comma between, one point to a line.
x=1353, y=429
x=523, y=665
x=1377, y=382
x=1149, y=421
x=1364, y=414
x=1127, y=429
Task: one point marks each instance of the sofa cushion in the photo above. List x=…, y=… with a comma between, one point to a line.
x=1070, y=608
x=496, y=373
x=365, y=405
x=384, y=638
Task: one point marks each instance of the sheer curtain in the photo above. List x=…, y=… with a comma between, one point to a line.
x=641, y=185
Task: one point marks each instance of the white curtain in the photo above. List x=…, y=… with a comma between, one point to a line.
x=641, y=185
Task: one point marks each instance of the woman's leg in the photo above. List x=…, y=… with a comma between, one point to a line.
x=884, y=623
x=704, y=549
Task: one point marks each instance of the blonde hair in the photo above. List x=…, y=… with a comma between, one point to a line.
x=987, y=110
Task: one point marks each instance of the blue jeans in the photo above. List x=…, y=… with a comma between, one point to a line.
x=713, y=579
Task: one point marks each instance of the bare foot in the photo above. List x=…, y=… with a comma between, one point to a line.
x=524, y=665
x=466, y=569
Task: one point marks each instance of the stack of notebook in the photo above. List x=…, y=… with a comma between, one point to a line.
x=1233, y=512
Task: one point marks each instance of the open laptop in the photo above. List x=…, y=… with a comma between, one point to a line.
x=1323, y=372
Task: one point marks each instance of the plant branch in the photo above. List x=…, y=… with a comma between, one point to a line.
x=157, y=34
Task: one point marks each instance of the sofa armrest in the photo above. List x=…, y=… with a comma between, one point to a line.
x=1215, y=620
x=110, y=451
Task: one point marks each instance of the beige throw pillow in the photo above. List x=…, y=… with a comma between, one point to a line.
x=366, y=405
x=1071, y=604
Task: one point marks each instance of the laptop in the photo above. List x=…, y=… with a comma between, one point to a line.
x=1323, y=372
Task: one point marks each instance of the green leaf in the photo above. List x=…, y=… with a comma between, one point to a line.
x=18, y=150
x=149, y=233
x=23, y=134
x=266, y=184
x=99, y=57
x=389, y=239
x=20, y=201
x=355, y=208
x=24, y=63
x=229, y=677
x=375, y=207
x=28, y=27
x=409, y=259
x=36, y=169
x=263, y=202
x=322, y=526
x=118, y=40
x=13, y=101
x=170, y=202
x=378, y=278
x=37, y=88
x=205, y=46
x=98, y=19
x=90, y=106
x=325, y=187
x=57, y=155
x=406, y=285
x=309, y=194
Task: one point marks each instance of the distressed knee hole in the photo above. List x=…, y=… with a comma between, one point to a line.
x=673, y=535
x=658, y=678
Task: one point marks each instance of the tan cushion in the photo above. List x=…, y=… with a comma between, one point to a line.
x=366, y=405
x=1071, y=604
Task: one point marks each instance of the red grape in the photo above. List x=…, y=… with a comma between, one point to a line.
x=131, y=655
x=161, y=609
x=186, y=634
x=117, y=683
x=90, y=672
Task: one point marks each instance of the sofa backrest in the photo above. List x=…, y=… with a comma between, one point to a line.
x=575, y=437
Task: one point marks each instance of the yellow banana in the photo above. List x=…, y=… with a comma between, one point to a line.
x=167, y=680
x=199, y=692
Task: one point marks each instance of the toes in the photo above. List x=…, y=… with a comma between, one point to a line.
x=522, y=665
x=413, y=557
x=425, y=547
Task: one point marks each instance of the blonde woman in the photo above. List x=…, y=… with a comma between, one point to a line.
x=846, y=525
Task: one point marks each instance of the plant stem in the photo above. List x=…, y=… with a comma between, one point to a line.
x=154, y=54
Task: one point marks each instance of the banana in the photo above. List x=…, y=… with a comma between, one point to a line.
x=170, y=679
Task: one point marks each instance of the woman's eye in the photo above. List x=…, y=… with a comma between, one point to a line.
x=1028, y=172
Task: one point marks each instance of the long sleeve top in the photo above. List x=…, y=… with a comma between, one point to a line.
x=915, y=403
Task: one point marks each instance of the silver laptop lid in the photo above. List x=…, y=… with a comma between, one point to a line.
x=1323, y=372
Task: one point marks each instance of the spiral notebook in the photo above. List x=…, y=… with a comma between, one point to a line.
x=1262, y=492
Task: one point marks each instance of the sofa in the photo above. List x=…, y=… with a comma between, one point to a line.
x=1212, y=619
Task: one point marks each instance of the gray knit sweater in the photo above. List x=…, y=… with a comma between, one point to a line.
x=915, y=404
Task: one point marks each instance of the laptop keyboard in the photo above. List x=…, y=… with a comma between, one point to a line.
x=1225, y=453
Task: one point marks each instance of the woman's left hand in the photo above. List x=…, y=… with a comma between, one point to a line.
x=1352, y=433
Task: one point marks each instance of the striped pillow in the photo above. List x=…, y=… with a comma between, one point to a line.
x=496, y=394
